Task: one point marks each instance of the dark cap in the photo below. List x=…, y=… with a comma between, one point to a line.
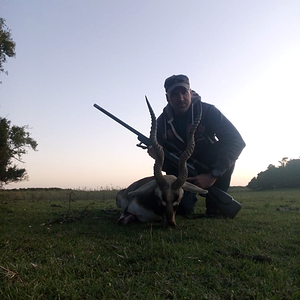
x=176, y=80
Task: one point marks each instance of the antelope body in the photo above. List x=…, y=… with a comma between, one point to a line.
x=158, y=197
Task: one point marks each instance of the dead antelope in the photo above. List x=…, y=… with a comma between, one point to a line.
x=153, y=198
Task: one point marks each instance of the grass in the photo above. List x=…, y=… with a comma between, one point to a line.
x=54, y=248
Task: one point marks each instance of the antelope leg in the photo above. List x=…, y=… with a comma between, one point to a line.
x=126, y=219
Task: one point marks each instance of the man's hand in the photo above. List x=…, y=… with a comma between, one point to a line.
x=204, y=181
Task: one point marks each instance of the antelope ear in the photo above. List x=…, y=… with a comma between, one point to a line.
x=144, y=188
x=194, y=188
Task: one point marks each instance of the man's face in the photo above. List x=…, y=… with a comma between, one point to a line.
x=180, y=99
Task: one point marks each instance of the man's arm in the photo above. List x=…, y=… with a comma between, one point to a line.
x=230, y=141
x=204, y=181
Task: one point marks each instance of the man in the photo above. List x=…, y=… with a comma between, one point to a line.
x=217, y=142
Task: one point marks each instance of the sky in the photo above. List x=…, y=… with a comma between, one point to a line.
x=241, y=56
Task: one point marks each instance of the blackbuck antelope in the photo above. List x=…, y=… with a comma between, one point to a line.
x=158, y=197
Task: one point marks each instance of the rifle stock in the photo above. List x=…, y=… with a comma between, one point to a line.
x=225, y=203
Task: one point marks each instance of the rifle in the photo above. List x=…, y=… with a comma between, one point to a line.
x=223, y=201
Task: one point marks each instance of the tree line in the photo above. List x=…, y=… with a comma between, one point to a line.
x=286, y=175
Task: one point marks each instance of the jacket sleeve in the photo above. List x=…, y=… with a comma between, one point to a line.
x=230, y=142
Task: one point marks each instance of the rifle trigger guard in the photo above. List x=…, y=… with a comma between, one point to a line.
x=141, y=145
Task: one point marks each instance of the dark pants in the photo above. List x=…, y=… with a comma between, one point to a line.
x=187, y=204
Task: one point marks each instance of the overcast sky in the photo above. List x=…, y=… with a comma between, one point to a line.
x=241, y=56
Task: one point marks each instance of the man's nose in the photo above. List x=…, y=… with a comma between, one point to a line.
x=181, y=96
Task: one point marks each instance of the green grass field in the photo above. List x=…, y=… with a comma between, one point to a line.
x=54, y=248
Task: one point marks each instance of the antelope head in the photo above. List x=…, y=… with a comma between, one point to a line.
x=169, y=189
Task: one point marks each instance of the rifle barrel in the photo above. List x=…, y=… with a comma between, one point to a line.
x=117, y=120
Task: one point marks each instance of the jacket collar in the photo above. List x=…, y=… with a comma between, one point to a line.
x=169, y=114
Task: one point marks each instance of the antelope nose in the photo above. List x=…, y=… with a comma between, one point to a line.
x=172, y=221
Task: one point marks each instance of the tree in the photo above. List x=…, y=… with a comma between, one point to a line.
x=14, y=143
x=253, y=184
x=287, y=175
x=7, y=45
x=284, y=161
x=293, y=171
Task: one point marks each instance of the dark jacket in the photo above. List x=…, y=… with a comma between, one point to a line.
x=218, y=144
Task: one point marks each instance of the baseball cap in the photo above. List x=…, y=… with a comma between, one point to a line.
x=176, y=80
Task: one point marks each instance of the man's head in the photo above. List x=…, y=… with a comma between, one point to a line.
x=178, y=93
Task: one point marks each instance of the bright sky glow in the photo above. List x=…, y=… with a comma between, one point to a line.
x=241, y=56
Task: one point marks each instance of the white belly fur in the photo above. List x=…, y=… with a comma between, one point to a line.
x=144, y=215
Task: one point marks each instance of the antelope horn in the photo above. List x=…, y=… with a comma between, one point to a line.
x=159, y=153
x=182, y=168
